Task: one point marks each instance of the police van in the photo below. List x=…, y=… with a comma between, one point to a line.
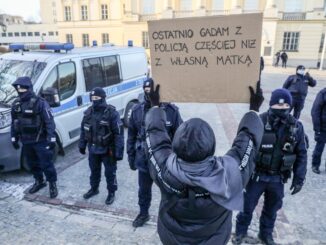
x=73, y=72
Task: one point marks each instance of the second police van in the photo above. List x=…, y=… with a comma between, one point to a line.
x=120, y=71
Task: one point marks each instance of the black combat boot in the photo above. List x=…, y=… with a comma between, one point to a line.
x=315, y=170
x=90, y=193
x=241, y=238
x=140, y=220
x=53, y=189
x=110, y=199
x=267, y=240
x=38, y=185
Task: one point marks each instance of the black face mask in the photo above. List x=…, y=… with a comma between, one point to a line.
x=24, y=96
x=280, y=113
x=146, y=97
x=98, y=103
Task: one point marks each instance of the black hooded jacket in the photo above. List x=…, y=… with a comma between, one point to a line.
x=200, y=190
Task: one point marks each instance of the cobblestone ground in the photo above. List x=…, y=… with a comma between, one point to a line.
x=35, y=219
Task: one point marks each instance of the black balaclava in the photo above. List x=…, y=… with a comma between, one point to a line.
x=194, y=141
x=279, y=96
x=98, y=104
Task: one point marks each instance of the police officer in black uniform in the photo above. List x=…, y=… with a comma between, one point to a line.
x=136, y=148
x=102, y=131
x=33, y=125
x=318, y=113
x=283, y=151
x=298, y=86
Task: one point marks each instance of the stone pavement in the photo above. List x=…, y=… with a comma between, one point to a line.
x=301, y=221
x=24, y=222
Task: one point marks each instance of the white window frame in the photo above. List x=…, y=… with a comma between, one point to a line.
x=291, y=41
x=69, y=38
x=84, y=13
x=85, y=40
x=104, y=12
x=145, y=39
x=67, y=13
x=105, y=38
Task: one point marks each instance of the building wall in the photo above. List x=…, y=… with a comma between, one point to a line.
x=128, y=19
x=48, y=11
x=42, y=29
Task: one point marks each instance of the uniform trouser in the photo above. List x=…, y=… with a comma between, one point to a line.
x=145, y=183
x=95, y=164
x=40, y=159
x=318, y=151
x=273, y=195
x=297, y=106
x=284, y=64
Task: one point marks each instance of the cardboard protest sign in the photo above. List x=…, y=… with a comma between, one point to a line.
x=206, y=59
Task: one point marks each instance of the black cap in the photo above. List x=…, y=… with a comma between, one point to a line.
x=98, y=92
x=300, y=67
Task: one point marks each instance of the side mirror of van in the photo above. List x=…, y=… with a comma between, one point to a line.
x=51, y=96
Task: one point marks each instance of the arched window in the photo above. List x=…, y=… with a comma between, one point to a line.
x=293, y=6
x=217, y=4
x=251, y=5
x=149, y=6
x=186, y=5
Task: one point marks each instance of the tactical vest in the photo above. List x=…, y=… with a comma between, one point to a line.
x=27, y=120
x=276, y=155
x=98, y=131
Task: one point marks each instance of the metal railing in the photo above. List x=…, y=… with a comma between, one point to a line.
x=294, y=16
x=147, y=17
x=217, y=12
x=183, y=13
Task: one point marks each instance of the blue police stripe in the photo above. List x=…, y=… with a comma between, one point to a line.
x=110, y=92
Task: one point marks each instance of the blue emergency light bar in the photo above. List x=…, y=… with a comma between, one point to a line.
x=41, y=46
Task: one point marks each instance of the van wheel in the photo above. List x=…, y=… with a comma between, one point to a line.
x=127, y=115
x=25, y=165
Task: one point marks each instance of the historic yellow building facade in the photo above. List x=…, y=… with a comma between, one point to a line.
x=297, y=26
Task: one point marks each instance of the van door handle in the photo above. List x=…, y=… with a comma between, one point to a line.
x=79, y=100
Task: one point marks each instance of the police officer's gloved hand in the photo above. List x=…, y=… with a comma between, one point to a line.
x=15, y=145
x=256, y=99
x=296, y=188
x=82, y=150
x=154, y=95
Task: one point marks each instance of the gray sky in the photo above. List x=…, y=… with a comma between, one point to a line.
x=26, y=8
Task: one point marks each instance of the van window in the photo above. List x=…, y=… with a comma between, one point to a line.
x=111, y=70
x=63, y=78
x=93, y=73
x=67, y=80
x=52, y=80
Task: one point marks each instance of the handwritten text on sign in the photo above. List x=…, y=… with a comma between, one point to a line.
x=218, y=57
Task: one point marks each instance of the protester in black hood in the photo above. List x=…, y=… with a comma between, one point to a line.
x=199, y=190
